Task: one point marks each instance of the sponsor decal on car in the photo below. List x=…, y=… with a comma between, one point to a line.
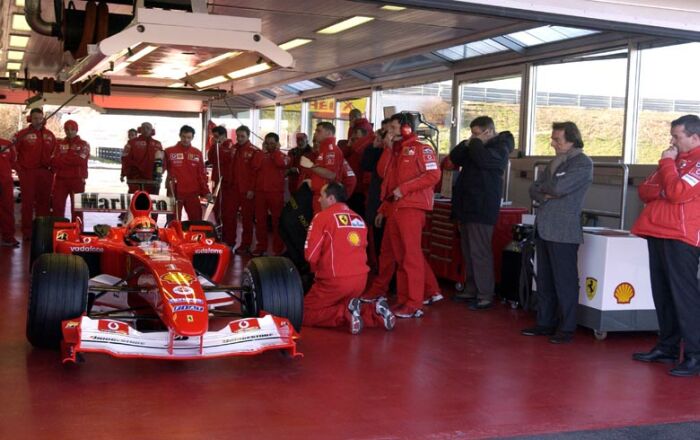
x=208, y=251
x=62, y=236
x=180, y=278
x=243, y=325
x=183, y=290
x=186, y=301
x=188, y=308
x=72, y=324
x=190, y=318
x=113, y=327
x=86, y=249
x=196, y=237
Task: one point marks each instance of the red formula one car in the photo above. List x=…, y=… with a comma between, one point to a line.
x=136, y=291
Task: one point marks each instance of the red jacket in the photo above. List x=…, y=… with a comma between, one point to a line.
x=70, y=158
x=245, y=166
x=270, y=176
x=221, y=157
x=336, y=242
x=139, y=157
x=185, y=165
x=360, y=123
x=348, y=179
x=672, y=197
x=34, y=147
x=412, y=167
x=329, y=157
x=354, y=157
x=7, y=159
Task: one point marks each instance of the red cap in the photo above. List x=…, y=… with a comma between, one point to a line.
x=71, y=125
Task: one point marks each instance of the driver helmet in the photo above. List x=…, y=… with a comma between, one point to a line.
x=141, y=230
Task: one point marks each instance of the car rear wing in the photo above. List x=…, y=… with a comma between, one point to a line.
x=107, y=202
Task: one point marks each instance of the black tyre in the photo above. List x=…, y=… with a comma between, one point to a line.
x=209, y=233
x=42, y=237
x=275, y=287
x=58, y=291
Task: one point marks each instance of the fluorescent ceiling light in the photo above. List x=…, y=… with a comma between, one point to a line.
x=14, y=66
x=19, y=23
x=19, y=3
x=176, y=85
x=256, y=68
x=392, y=8
x=15, y=55
x=120, y=67
x=291, y=44
x=19, y=40
x=216, y=59
x=345, y=25
x=140, y=54
x=211, y=81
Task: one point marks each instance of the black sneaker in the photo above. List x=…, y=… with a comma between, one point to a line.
x=656, y=355
x=562, y=338
x=538, y=331
x=689, y=367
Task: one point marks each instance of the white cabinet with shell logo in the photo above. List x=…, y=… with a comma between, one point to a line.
x=614, y=285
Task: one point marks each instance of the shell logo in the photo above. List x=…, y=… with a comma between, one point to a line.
x=180, y=278
x=624, y=292
x=354, y=238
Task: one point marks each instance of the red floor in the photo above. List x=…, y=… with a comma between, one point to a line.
x=453, y=374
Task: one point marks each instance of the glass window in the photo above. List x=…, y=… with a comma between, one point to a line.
x=433, y=101
x=290, y=124
x=469, y=50
x=547, y=34
x=588, y=93
x=499, y=99
x=231, y=121
x=320, y=110
x=343, y=119
x=666, y=92
x=266, y=124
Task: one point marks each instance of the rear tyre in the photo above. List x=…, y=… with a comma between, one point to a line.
x=58, y=291
x=274, y=287
x=42, y=237
x=209, y=233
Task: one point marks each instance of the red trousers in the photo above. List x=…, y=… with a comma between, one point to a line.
x=62, y=188
x=247, y=207
x=7, y=209
x=404, y=231
x=265, y=201
x=192, y=206
x=225, y=210
x=326, y=304
x=388, y=265
x=36, y=197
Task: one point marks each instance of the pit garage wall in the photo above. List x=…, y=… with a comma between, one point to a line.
x=604, y=194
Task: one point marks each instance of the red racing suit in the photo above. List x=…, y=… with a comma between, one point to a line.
x=245, y=166
x=411, y=167
x=70, y=162
x=138, y=162
x=34, y=149
x=348, y=179
x=269, y=196
x=335, y=249
x=221, y=156
x=354, y=158
x=672, y=198
x=7, y=200
x=185, y=167
x=331, y=158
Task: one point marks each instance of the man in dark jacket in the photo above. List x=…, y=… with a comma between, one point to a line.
x=476, y=201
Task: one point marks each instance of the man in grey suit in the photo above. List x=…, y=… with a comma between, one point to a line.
x=558, y=194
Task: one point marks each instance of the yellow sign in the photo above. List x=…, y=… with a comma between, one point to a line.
x=179, y=278
x=624, y=292
x=325, y=108
x=591, y=287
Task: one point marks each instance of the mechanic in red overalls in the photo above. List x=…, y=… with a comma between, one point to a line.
x=220, y=156
x=410, y=171
x=328, y=164
x=269, y=194
x=335, y=249
x=348, y=179
x=302, y=149
x=70, y=163
x=142, y=159
x=34, y=145
x=7, y=200
x=245, y=166
x=186, y=175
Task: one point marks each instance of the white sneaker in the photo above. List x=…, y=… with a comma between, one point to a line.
x=381, y=308
x=433, y=299
x=355, y=317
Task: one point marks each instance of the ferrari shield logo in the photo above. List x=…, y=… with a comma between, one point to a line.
x=591, y=287
x=62, y=236
x=343, y=219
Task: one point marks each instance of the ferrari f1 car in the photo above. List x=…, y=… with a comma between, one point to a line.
x=137, y=291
